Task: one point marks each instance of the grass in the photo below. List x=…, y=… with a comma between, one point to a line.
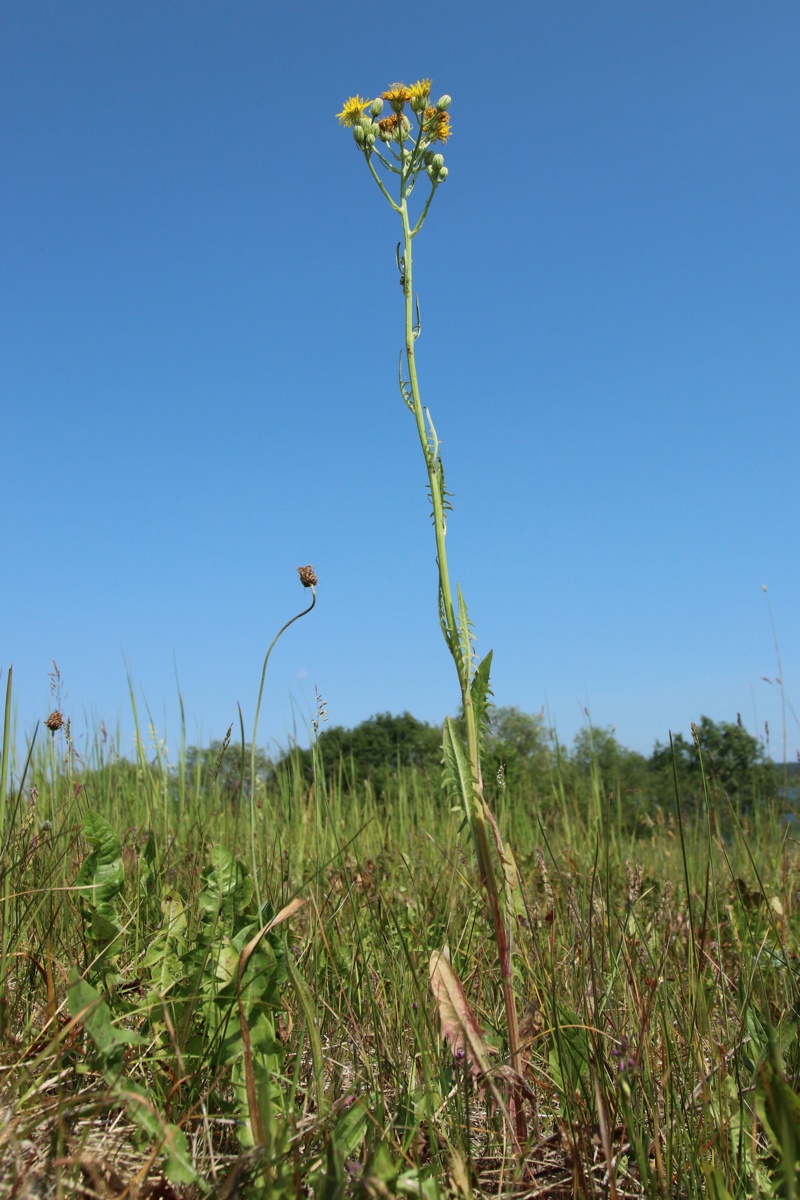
x=147, y=1052
x=309, y=990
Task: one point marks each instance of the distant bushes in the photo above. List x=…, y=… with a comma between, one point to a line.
x=374, y=751
x=524, y=757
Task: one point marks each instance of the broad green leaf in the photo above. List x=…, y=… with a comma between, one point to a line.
x=101, y=837
x=350, y=1130
x=163, y=955
x=87, y=1003
x=101, y=876
x=227, y=890
x=174, y=1146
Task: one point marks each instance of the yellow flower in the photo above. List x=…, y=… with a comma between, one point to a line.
x=420, y=90
x=353, y=110
x=437, y=125
x=397, y=95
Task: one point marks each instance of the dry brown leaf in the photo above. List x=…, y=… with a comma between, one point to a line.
x=459, y=1024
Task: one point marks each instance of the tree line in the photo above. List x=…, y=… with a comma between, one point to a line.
x=523, y=756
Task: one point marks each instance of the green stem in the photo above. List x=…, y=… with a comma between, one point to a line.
x=432, y=464
x=478, y=811
x=424, y=213
x=379, y=181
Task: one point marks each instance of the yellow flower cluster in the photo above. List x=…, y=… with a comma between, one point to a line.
x=435, y=122
x=397, y=95
x=420, y=90
x=437, y=125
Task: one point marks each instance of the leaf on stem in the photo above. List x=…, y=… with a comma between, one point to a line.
x=459, y=1024
x=457, y=777
x=481, y=692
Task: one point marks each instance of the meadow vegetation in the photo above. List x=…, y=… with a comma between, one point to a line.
x=153, y=1044
x=408, y=961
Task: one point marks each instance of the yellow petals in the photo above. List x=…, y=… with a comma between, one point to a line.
x=353, y=110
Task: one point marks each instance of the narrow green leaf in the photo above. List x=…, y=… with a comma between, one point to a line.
x=466, y=639
x=312, y=1025
x=457, y=778
x=481, y=692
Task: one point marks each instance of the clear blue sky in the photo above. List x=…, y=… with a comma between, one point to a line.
x=201, y=325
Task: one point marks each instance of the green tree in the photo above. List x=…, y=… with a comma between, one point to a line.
x=735, y=763
x=520, y=745
x=623, y=773
x=375, y=750
x=218, y=767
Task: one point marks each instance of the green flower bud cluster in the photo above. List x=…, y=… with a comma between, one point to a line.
x=434, y=165
x=365, y=132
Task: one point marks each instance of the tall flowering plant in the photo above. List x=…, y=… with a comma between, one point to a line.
x=402, y=149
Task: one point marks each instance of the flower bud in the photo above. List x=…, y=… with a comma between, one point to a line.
x=359, y=134
x=370, y=140
x=428, y=158
x=442, y=103
x=418, y=103
x=437, y=162
x=443, y=174
x=376, y=108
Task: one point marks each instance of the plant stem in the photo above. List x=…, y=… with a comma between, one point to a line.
x=457, y=642
x=272, y=645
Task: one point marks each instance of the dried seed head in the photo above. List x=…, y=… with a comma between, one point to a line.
x=387, y=127
x=633, y=877
x=308, y=577
x=54, y=721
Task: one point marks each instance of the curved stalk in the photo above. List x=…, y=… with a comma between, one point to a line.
x=272, y=645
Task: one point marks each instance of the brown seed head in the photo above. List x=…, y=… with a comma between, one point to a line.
x=54, y=721
x=308, y=577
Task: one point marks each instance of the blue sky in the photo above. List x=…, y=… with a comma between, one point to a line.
x=201, y=326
